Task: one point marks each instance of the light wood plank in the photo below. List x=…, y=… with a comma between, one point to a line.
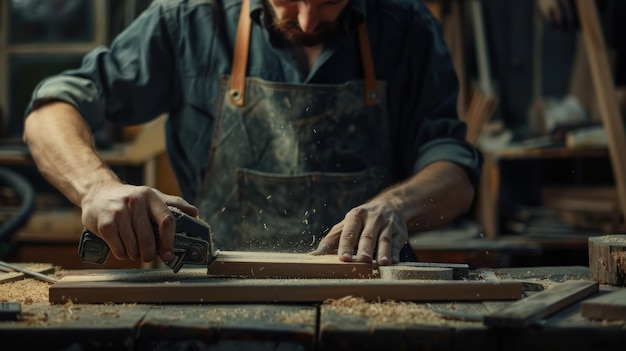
x=286, y=265
x=193, y=286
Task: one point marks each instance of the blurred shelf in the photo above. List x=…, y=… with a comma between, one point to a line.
x=556, y=152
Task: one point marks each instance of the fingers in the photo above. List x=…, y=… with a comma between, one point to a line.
x=179, y=203
x=110, y=233
x=134, y=230
x=398, y=242
x=143, y=232
x=385, y=249
x=126, y=217
x=164, y=220
x=330, y=242
x=372, y=231
x=368, y=241
x=352, y=228
x=127, y=233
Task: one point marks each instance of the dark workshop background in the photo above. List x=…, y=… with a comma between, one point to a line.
x=536, y=96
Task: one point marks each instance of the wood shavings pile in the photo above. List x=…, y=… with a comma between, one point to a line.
x=27, y=291
x=389, y=312
x=32, y=294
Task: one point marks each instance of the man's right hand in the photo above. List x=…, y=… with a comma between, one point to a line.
x=123, y=214
x=63, y=149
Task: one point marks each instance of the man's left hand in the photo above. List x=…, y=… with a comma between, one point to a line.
x=374, y=228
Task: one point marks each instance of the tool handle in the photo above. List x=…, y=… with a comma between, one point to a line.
x=92, y=248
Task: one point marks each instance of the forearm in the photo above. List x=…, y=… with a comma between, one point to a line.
x=63, y=149
x=432, y=198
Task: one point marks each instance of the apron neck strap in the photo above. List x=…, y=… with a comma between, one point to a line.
x=240, y=60
x=369, y=74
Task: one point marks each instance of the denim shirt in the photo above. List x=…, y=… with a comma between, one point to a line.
x=172, y=57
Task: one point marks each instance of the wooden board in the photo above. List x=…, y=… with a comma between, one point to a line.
x=71, y=327
x=193, y=285
x=286, y=265
x=611, y=306
x=542, y=304
x=228, y=327
x=607, y=259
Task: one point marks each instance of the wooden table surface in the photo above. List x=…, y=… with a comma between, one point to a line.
x=349, y=324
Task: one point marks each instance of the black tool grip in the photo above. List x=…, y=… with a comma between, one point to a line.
x=92, y=249
x=10, y=311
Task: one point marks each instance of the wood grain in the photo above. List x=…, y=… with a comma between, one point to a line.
x=192, y=285
x=611, y=306
x=542, y=304
x=285, y=265
x=607, y=259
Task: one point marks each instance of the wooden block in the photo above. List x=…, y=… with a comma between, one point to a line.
x=542, y=304
x=459, y=270
x=607, y=259
x=415, y=273
x=193, y=286
x=611, y=306
x=286, y=265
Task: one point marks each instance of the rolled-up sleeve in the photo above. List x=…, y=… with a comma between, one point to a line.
x=129, y=83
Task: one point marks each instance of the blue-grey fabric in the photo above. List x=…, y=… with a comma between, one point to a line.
x=173, y=57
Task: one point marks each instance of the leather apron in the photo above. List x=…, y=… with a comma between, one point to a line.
x=288, y=161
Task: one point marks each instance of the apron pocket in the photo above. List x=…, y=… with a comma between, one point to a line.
x=280, y=212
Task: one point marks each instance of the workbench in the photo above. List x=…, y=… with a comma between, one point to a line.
x=342, y=324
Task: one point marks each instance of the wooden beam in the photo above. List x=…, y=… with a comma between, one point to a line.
x=604, y=87
x=542, y=304
x=481, y=108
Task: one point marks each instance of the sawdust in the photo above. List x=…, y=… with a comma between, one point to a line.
x=389, y=312
x=27, y=291
x=615, y=238
x=299, y=317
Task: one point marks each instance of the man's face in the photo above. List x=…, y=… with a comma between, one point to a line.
x=306, y=22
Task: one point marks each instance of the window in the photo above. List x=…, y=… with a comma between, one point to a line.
x=40, y=38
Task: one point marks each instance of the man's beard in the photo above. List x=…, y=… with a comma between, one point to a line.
x=291, y=31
